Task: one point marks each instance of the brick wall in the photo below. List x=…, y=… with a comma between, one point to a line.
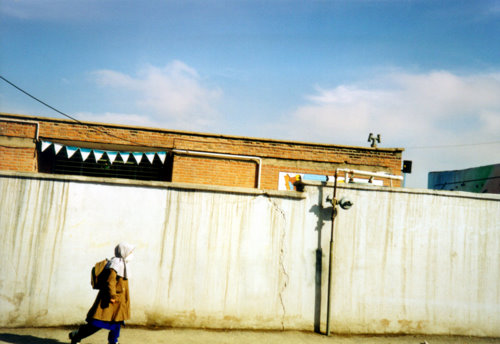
x=214, y=171
x=277, y=156
x=14, y=128
x=17, y=159
x=17, y=146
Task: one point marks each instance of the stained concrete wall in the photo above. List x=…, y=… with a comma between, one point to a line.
x=417, y=262
x=206, y=257
x=404, y=261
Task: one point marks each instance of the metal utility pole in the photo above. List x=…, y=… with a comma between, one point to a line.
x=344, y=204
x=334, y=214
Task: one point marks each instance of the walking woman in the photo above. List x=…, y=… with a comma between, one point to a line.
x=112, y=304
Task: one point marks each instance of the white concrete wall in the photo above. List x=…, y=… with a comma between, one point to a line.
x=417, y=263
x=403, y=261
x=203, y=258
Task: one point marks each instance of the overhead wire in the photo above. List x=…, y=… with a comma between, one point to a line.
x=68, y=116
x=137, y=143
x=38, y=100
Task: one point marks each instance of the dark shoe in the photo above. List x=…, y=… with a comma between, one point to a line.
x=72, y=336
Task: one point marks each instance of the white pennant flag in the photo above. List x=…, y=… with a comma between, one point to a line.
x=57, y=147
x=98, y=154
x=85, y=153
x=125, y=156
x=70, y=151
x=112, y=156
x=150, y=156
x=138, y=157
x=45, y=145
x=162, y=156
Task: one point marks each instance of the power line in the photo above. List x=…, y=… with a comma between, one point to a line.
x=125, y=139
x=66, y=115
x=38, y=100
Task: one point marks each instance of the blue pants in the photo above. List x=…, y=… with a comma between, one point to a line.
x=93, y=325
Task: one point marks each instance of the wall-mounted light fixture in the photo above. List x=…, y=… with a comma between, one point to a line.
x=406, y=169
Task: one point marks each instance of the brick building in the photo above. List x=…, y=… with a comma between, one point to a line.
x=49, y=145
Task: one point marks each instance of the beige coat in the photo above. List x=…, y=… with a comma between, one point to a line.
x=117, y=289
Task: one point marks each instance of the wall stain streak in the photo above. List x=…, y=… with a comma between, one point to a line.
x=33, y=229
x=405, y=261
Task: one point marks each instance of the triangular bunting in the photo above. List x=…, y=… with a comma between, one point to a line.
x=162, y=156
x=112, y=156
x=45, y=145
x=125, y=156
x=138, y=157
x=85, y=153
x=150, y=156
x=98, y=154
x=70, y=151
x=57, y=147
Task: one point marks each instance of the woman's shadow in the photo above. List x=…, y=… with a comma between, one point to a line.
x=26, y=339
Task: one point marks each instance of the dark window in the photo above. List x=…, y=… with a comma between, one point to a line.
x=50, y=162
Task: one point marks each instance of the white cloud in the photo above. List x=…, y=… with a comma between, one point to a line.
x=174, y=96
x=408, y=110
x=404, y=108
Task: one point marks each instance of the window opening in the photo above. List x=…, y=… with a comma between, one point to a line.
x=59, y=161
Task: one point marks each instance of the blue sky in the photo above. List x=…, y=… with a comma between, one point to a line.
x=423, y=74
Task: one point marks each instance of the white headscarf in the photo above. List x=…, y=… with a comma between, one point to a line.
x=118, y=262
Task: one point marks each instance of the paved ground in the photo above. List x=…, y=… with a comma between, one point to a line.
x=192, y=336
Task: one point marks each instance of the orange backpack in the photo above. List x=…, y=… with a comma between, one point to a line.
x=96, y=271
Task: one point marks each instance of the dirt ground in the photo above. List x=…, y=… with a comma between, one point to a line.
x=195, y=336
